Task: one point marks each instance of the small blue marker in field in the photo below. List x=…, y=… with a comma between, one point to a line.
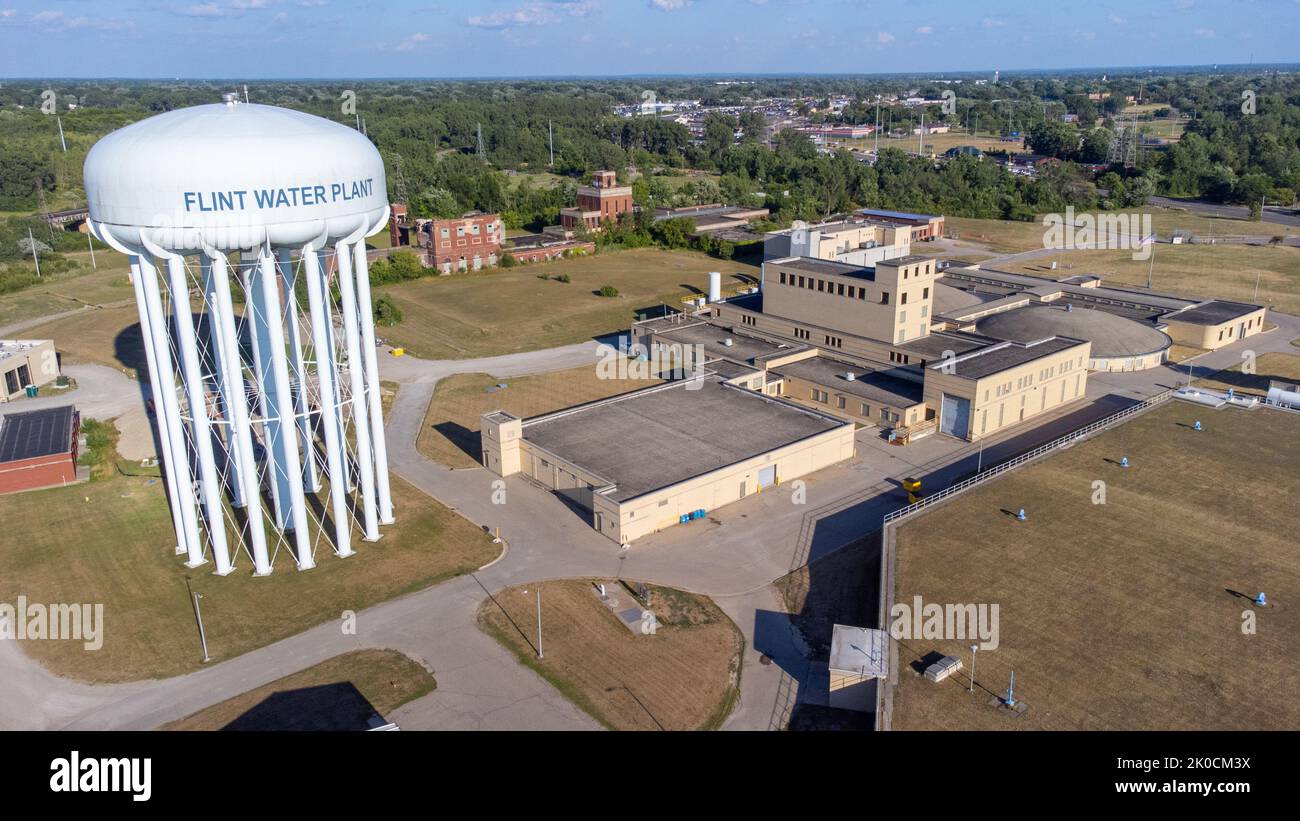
x=1197, y=426
x=1123, y=462
x=1260, y=601
x=1020, y=516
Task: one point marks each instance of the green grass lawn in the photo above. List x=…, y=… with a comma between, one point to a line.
x=1127, y=614
x=507, y=310
x=352, y=691
x=110, y=541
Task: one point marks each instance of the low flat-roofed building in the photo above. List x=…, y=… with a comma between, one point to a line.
x=859, y=657
x=38, y=448
x=870, y=397
x=924, y=227
x=995, y=387
x=26, y=362
x=647, y=460
x=1214, y=324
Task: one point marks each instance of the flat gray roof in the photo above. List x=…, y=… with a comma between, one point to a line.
x=937, y=343
x=825, y=266
x=1000, y=357
x=1214, y=312
x=654, y=438
x=714, y=339
x=876, y=386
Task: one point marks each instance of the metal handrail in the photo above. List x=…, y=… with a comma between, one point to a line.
x=996, y=470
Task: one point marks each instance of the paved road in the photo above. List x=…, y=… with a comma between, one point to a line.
x=733, y=557
x=1274, y=214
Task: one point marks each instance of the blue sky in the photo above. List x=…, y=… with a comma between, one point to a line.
x=456, y=38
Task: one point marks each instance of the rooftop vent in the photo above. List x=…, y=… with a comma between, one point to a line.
x=727, y=342
x=850, y=376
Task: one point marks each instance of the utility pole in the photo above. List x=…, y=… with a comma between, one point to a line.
x=91, y=246
x=62, y=141
x=539, y=622
x=245, y=93
x=920, y=140
x=203, y=638
x=877, y=126
x=974, y=649
x=35, y=256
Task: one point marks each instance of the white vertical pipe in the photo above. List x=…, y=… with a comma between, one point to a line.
x=241, y=433
x=196, y=390
x=366, y=315
x=218, y=342
x=170, y=414
x=305, y=428
x=360, y=414
x=254, y=313
x=165, y=455
x=328, y=399
x=270, y=297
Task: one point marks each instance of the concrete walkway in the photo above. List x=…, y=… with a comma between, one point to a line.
x=733, y=557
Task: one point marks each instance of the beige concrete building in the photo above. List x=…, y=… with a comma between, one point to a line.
x=1214, y=324
x=666, y=455
x=25, y=362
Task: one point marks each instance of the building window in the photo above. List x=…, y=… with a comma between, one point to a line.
x=852, y=292
x=821, y=286
x=862, y=293
x=839, y=402
x=801, y=280
x=783, y=277
x=925, y=293
x=866, y=410
x=902, y=298
x=902, y=316
x=884, y=297
x=925, y=311
x=840, y=289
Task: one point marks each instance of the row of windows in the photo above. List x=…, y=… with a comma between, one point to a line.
x=834, y=288
x=834, y=341
x=749, y=320
x=800, y=333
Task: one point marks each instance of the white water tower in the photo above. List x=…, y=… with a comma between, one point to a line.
x=254, y=217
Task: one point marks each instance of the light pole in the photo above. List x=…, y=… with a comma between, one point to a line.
x=974, y=648
x=203, y=639
x=539, y=622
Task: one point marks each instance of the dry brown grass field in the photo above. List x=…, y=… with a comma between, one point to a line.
x=686, y=676
x=450, y=433
x=507, y=310
x=1128, y=614
x=351, y=691
x=1204, y=271
x=110, y=541
x=107, y=286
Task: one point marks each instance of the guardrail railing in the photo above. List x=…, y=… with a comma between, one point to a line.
x=1068, y=439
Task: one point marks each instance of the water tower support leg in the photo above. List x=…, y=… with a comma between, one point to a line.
x=241, y=434
x=218, y=342
x=168, y=412
x=360, y=412
x=371, y=356
x=288, y=445
x=196, y=391
x=299, y=369
x=329, y=401
x=165, y=455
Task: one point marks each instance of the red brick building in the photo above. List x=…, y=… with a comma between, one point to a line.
x=39, y=449
x=466, y=243
x=603, y=200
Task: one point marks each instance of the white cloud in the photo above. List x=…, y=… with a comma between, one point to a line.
x=313, y=2
x=925, y=30
x=1117, y=20
x=1204, y=33
x=992, y=23
x=532, y=14
x=248, y=4
x=413, y=41
x=884, y=37
x=202, y=10
x=670, y=5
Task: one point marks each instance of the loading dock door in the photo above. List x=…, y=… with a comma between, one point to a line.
x=954, y=418
x=767, y=477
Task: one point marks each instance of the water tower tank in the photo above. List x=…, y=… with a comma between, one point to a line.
x=253, y=404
